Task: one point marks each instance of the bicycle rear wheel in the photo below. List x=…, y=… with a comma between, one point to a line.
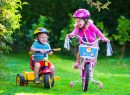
x=85, y=78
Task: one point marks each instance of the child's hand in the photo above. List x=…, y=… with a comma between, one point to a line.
x=71, y=34
x=44, y=51
x=50, y=53
x=105, y=40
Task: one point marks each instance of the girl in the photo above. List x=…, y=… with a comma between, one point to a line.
x=87, y=30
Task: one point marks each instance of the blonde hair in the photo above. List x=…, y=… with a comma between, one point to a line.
x=87, y=25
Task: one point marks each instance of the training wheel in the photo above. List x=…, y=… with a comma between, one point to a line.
x=100, y=86
x=71, y=84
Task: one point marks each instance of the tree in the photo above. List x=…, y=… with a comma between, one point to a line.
x=59, y=10
x=41, y=23
x=123, y=35
x=98, y=4
x=9, y=22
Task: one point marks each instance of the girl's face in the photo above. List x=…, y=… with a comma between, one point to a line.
x=80, y=22
x=43, y=38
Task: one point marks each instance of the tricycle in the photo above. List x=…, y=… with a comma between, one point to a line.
x=44, y=75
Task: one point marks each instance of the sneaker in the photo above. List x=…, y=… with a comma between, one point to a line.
x=76, y=65
x=37, y=80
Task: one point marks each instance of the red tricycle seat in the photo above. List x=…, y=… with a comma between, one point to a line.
x=32, y=63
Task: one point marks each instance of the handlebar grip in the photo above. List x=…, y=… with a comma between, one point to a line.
x=68, y=35
x=59, y=49
x=31, y=52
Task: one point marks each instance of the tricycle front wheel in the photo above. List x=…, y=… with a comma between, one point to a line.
x=47, y=81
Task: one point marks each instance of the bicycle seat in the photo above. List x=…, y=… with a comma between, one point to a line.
x=31, y=63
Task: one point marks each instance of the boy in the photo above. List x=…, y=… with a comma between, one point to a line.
x=41, y=45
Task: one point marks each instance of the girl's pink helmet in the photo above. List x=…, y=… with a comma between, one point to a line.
x=81, y=13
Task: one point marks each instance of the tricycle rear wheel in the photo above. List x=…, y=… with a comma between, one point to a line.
x=20, y=79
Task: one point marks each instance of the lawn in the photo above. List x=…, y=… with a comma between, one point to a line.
x=114, y=74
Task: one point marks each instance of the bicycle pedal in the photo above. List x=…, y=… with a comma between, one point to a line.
x=96, y=81
x=76, y=68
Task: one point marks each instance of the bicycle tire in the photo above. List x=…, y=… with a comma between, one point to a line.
x=85, y=79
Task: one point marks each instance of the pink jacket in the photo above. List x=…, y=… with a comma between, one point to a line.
x=90, y=33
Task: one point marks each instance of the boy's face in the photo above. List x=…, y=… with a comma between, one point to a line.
x=43, y=38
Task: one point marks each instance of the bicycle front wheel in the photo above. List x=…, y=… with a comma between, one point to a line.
x=85, y=78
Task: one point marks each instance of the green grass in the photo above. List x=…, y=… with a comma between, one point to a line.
x=114, y=74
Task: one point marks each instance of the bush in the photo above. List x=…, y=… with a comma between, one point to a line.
x=9, y=18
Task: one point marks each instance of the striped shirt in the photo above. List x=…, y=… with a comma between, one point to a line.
x=37, y=45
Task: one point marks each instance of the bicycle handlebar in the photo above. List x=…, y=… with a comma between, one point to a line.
x=77, y=36
x=32, y=52
x=66, y=43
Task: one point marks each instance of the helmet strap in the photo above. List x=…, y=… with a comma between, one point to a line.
x=38, y=40
x=85, y=22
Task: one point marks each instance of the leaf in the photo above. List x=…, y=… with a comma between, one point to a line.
x=25, y=3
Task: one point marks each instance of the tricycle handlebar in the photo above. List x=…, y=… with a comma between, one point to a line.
x=32, y=52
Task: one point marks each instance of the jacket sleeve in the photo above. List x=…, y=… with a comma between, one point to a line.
x=96, y=30
x=75, y=31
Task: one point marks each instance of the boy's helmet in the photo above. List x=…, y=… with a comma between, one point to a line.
x=40, y=30
x=81, y=13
